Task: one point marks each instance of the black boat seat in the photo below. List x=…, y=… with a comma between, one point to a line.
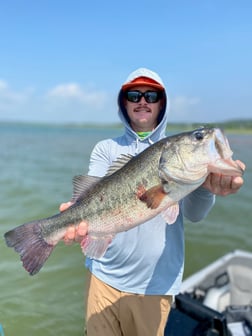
x=190, y=318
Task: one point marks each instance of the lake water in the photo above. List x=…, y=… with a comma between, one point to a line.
x=36, y=168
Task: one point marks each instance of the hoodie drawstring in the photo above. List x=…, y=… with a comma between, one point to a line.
x=137, y=146
x=137, y=142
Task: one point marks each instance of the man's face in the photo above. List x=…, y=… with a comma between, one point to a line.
x=143, y=116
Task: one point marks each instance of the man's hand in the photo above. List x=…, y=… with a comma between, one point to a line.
x=74, y=233
x=224, y=185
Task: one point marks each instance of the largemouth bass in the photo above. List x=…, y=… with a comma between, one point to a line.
x=134, y=190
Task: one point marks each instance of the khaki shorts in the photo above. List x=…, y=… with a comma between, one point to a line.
x=114, y=313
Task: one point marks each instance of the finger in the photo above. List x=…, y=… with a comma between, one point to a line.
x=215, y=180
x=237, y=182
x=70, y=235
x=65, y=206
x=229, y=185
x=218, y=184
x=82, y=229
x=211, y=182
x=226, y=182
x=241, y=164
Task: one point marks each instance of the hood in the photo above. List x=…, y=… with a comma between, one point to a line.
x=159, y=131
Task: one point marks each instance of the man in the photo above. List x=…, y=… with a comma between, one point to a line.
x=131, y=287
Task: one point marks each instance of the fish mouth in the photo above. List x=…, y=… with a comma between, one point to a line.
x=226, y=166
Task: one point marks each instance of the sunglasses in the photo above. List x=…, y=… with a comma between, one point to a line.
x=135, y=96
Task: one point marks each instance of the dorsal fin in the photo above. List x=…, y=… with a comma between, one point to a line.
x=82, y=184
x=119, y=163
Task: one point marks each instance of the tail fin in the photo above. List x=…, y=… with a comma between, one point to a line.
x=27, y=240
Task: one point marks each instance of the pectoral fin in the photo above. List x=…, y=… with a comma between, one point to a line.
x=94, y=247
x=170, y=214
x=153, y=196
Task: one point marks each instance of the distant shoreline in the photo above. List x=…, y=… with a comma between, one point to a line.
x=232, y=126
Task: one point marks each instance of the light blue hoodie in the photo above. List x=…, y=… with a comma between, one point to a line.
x=148, y=259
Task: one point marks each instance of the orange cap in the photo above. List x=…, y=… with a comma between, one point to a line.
x=142, y=81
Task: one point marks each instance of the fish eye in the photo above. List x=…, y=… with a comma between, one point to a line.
x=199, y=134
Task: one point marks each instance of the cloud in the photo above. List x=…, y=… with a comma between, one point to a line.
x=72, y=102
x=66, y=102
x=73, y=92
x=66, y=90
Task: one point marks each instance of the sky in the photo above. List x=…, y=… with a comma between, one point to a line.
x=65, y=61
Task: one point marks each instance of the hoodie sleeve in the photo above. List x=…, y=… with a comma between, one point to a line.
x=100, y=159
x=198, y=204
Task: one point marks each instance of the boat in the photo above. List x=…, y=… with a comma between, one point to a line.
x=217, y=300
